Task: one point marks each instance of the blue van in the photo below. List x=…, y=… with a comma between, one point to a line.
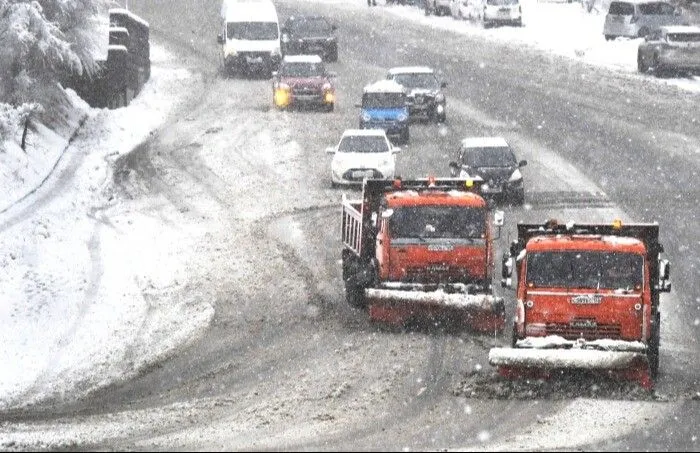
x=384, y=106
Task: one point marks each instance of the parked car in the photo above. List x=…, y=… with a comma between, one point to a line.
x=302, y=80
x=637, y=18
x=384, y=106
x=670, y=49
x=437, y=7
x=360, y=154
x=425, y=98
x=502, y=12
x=310, y=35
x=492, y=160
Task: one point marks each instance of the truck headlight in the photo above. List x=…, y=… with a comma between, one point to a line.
x=516, y=176
x=402, y=117
x=365, y=117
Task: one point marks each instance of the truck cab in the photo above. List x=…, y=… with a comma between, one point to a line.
x=422, y=249
x=592, y=287
x=384, y=105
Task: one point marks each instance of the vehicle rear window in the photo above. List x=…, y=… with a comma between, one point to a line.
x=621, y=9
x=684, y=37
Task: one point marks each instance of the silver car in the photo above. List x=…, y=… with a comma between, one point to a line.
x=636, y=18
x=670, y=49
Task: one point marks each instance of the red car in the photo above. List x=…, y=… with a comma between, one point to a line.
x=302, y=80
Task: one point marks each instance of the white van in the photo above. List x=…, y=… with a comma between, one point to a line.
x=250, y=36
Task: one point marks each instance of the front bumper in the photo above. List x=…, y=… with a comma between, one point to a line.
x=264, y=60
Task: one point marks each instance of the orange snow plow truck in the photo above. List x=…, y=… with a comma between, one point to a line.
x=587, y=298
x=422, y=249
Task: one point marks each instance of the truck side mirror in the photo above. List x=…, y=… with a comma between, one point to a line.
x=522, y=163
x=454, y=168
x=358, y=105
x=514, y=248
x=664, y=276
x=220, y=39
x=499, y=218
x=506, y=271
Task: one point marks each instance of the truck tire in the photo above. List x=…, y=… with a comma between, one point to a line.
x=514, y=336
x=355, y=295
x=352, y=269
x=653, y=347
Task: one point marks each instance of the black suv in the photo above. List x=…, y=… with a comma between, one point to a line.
x=424, y=90
x=491, y=159
x=310, y=35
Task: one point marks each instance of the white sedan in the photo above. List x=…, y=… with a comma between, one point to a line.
x=360, y=154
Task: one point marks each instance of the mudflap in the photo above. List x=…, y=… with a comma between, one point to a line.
x=637, y=370
x=398, y=312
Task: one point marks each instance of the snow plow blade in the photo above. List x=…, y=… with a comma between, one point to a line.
x=479, y=312
x=520, y=362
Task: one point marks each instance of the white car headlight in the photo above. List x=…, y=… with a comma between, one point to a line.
x=285, y=38
x=516, y=176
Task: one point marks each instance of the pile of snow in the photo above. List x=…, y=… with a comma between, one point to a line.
x=89, y=293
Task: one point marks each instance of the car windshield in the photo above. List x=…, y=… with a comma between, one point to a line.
x=438, y=222
x=417, y=80
x=621, y=9
x=589, y=270
x=501, y=156
x=501, y=2
x=363, y=144
x=310, y=27
x=254, y=31
x=383, y=100
x=684, y=37
x=301, y=69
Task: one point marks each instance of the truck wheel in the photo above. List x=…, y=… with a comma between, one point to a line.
x=514, y=337
x=653, y=347
x=355, y=295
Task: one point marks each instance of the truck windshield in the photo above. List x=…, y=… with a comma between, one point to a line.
x=383, y=100
x=438, y=222
x=254, y=31
x=590, y=270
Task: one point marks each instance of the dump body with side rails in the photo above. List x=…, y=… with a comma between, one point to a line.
x=587, y=298
x=422, y=249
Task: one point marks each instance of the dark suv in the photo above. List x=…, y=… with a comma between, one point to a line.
x=424, y=92
x=310, y=35
x=491, y=159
